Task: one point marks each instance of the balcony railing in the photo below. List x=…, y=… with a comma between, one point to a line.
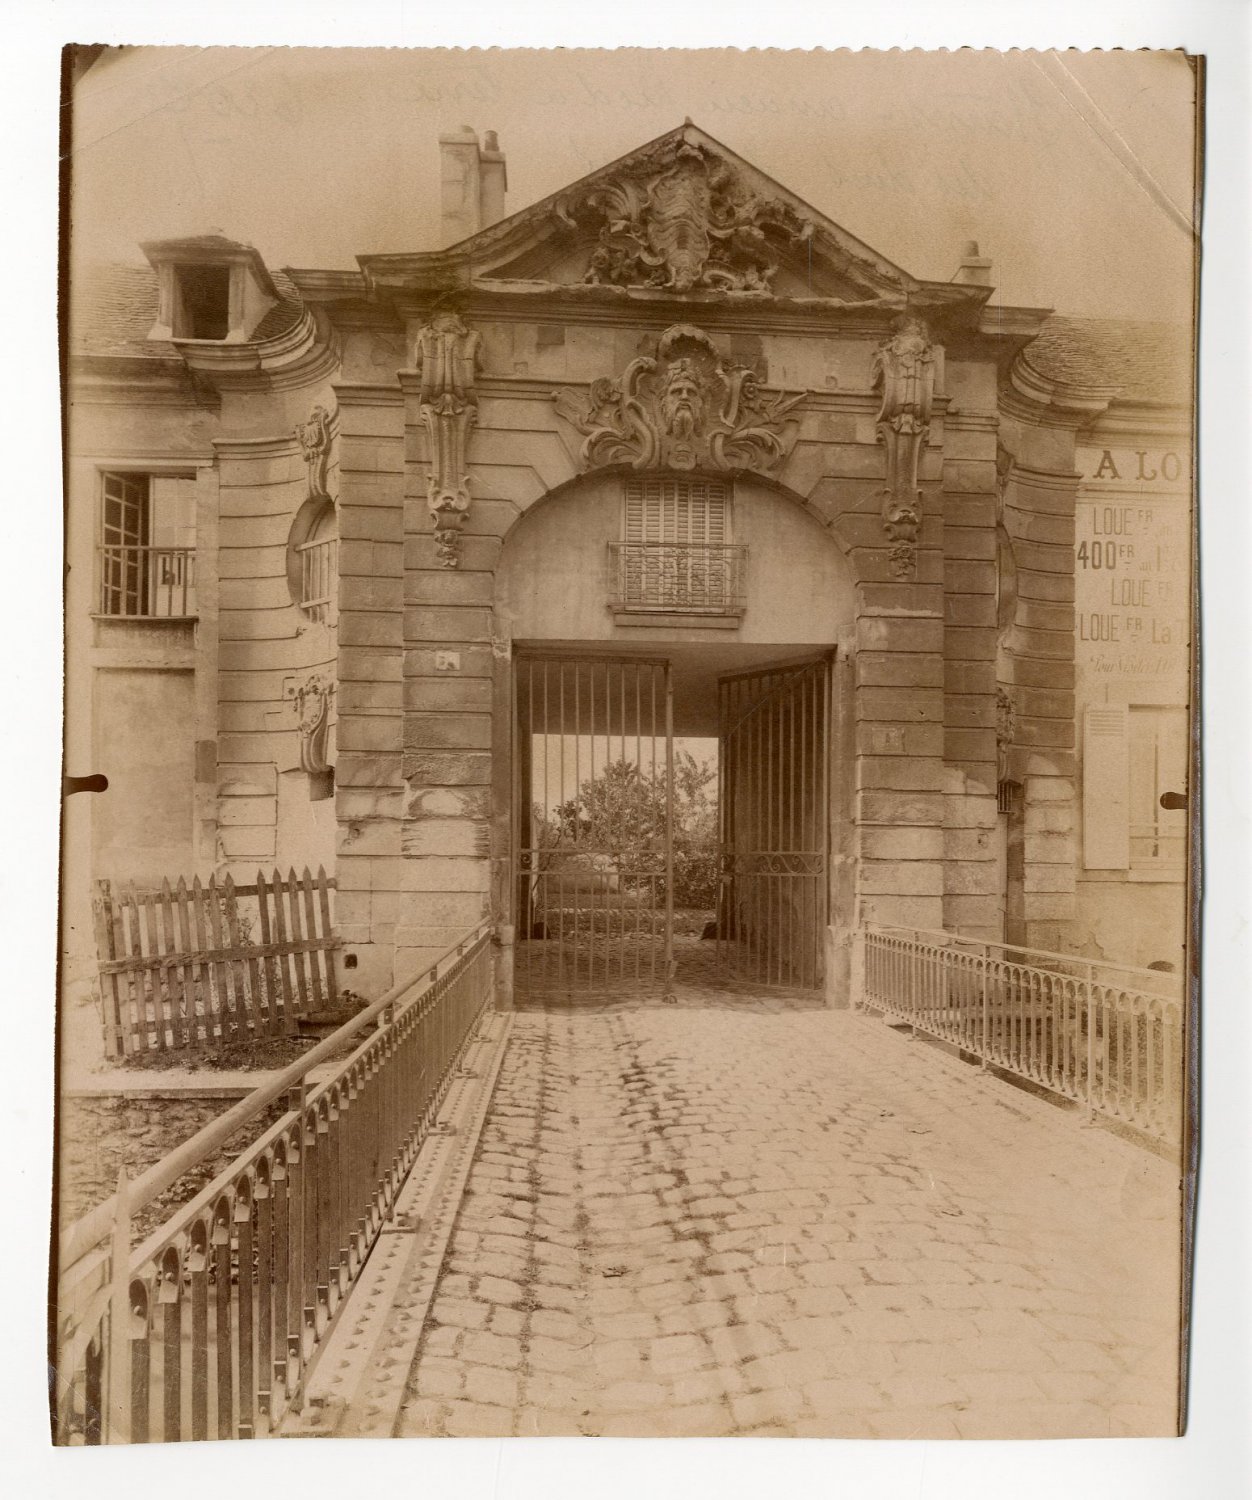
x=1105, y=1035
x=691, y=577
x=147, y=583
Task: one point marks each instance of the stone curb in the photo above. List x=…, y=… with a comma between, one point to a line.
x=356, y=1388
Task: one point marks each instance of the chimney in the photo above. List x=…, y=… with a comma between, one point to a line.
x=975, y=269
x=472, y=183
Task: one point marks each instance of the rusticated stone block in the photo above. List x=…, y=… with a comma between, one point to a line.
x=450, y=802
x=447, y=768
x=463, y=731
x=452, y=837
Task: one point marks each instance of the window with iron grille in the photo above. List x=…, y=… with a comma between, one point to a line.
x=676, y=551
x=146, y=551
x=319, y=567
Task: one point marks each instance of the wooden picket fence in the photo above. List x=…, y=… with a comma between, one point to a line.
x=203, y=965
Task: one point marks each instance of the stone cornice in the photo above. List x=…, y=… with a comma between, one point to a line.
x=115, y=379
x=305, y=354
x=1127, y=420
x=1032, y=397
x=279, y=445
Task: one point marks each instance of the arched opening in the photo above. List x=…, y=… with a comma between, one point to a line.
x=681, y=783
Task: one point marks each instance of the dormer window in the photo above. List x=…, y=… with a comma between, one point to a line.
x=210, y=289
x=202, y=307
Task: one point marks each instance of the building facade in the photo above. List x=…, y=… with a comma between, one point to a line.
x=345, y=546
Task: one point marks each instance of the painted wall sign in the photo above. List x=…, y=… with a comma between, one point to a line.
x=1132, y=590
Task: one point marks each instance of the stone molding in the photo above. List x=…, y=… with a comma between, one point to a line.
x=904, y=375
x=684, y=409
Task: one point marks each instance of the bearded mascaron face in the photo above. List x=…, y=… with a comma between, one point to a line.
x=682, y=401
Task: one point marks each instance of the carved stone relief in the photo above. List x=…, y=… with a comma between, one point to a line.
x=312, y=703
x=683, y=219
x=683, y=409
x=446, y=356
x=314, y=439
x=904, y=374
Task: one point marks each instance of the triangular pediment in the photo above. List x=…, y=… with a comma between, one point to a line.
x=681, y=215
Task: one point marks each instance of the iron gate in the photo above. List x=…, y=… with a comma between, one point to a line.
x=594, y=821
x=773, y=802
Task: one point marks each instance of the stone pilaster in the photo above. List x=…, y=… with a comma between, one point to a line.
x=373, y=896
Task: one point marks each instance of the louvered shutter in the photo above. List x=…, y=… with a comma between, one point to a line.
x=669, y=509
x=1106, y=789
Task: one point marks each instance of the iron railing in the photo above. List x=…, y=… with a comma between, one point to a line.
x=147, y=582
x=209, y=1326
x=318, y=567
x=1106, y=1035
x=697, y=577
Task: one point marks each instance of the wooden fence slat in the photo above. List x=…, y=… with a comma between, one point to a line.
x=148, y=1005
x=332, y=987
x=319, y=997
x=133, y=1037
x=175, y=978
x=238, y=969
x=161, y=995
x=111, y=986
x=272, y=1021
x=221, y=969
x=284, y=962
x=292, y=887
x=208, y=978
x=191, y=970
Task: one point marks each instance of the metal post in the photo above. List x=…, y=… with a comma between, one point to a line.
x=986, y=970
x=669, y=833
x=117, y=1409
x=1090, y=1042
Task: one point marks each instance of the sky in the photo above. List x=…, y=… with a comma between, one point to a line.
x=1075, y=177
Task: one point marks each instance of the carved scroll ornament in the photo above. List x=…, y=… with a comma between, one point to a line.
x=446, y=357
x=904, y=373
x=314, y=439
x=683, y=409
x=312, y=700
x=683, y=219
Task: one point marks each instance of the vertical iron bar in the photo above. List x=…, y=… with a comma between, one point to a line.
x=669, y=832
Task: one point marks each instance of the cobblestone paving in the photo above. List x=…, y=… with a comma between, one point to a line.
x=736, y=1217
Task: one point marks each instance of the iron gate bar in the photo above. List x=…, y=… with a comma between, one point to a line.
x=590, y=900
x=773, y=794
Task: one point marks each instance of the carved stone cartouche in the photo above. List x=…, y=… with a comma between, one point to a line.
x=446, y=357
x=312, y=699
x=314, y=439
x=682, y=219
x=904, y=374
x=682, y=409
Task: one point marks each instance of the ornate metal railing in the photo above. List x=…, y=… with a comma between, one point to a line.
x=699, y=577
x=209, y=1326
x=148, y=582
x=1106, y=1035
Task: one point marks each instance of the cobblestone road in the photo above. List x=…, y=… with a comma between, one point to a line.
x=714, y=1219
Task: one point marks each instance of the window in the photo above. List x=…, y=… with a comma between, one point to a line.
x=1131, y=757
x=203, y=305
x=147, y=546
x=676, y=552
x=319, y=566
